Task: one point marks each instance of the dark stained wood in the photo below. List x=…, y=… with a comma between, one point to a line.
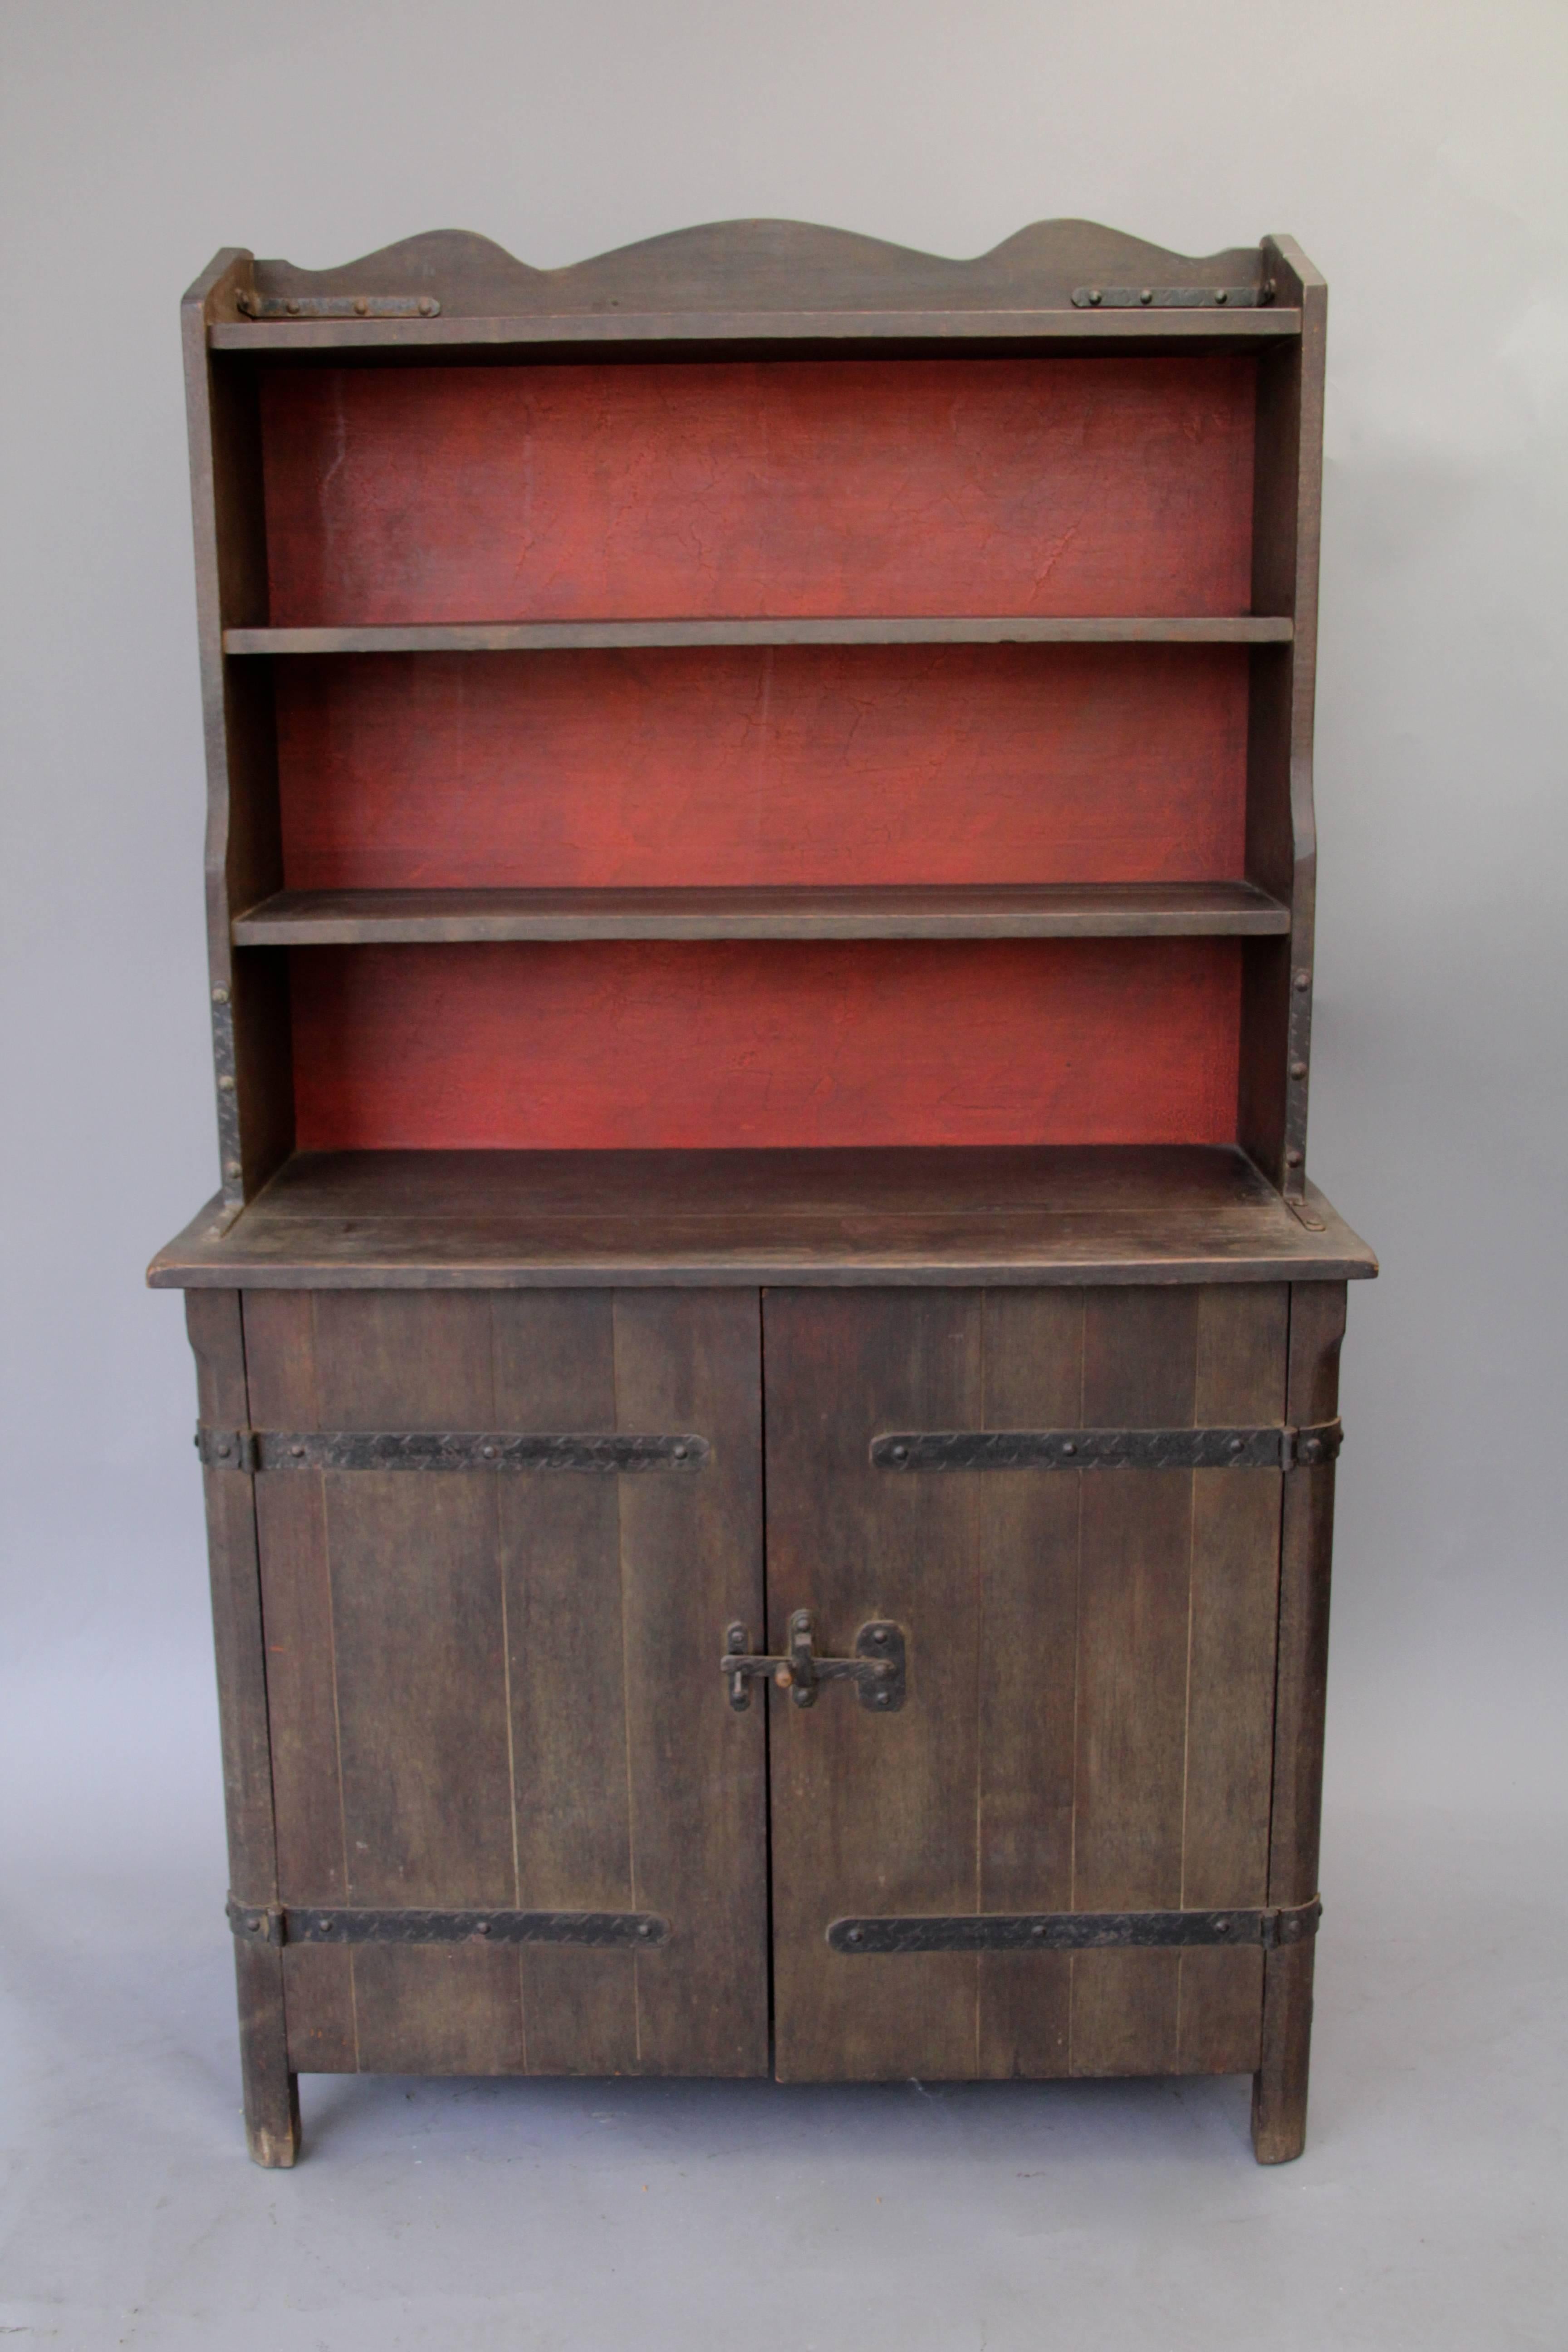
x=494, y=1220
x=1140, y=1355
x=691, y=1045
x=551, y=637
x=244, y=850
x=838, y=766
x=691, y=1561
x=872, y=1813
x=1028, y=1602
x=1060, y=911
x=670, y=335
x=1279, y=2087
x=271, y=2095
x=763, y=264
x=735, y=490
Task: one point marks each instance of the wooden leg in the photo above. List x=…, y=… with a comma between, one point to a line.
x=272, y=2092
x=1279, y=2086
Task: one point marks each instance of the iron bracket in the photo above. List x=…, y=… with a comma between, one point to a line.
x=1108, y=1449
x=1077, y=1931
x=336, y=306
x=340, y=1449
x=878, y=1669
x=598, y=1930
x=1172, y=298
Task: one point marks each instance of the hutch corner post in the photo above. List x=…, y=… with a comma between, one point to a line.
x=767, y=1358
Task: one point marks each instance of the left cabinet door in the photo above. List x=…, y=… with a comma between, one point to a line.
x=495, y=1688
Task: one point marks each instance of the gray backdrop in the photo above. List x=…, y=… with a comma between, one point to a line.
x=1416, y=150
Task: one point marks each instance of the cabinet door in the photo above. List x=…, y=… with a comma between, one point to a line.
x=1088, y=1724
x=499, y=1689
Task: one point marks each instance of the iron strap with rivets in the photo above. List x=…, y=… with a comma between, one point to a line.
x=1075, y=1931
x=598, y=1930
x=423, y=1449
x=1108, y=1449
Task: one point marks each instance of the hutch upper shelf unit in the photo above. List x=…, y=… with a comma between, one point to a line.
x=761, y=878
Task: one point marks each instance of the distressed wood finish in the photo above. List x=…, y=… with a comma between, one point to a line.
x=1091, y=1669
x=475, y=1681
x=993, y=485
x=761, y=876
x=804, y=765
x=657, y=1046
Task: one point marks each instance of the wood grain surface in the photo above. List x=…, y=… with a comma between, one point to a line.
x=1090, y=1724
x=1090, y=485
x=474, y=1691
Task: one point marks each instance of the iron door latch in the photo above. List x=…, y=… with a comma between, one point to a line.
x=877, y=1669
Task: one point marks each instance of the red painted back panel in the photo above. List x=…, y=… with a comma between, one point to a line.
x=1055, y=486
x=971, y=763
x=660, y=1045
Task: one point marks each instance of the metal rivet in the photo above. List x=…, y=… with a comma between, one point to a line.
x=325, y=1927
x=1222, y=1926
x=360, y=305
x=1220, y=294
x=293, y=309
x=488, y=1452
x=1313, y=1450
x=645, y=1927
x=898, y=1454
x=1147, y=295
x=1303, y=981
x=1038, y=1932
x=427, y=307
x=1294, y=1157
x=222, y=1446
x=220, y=996
x=1070, y=1447
x=1094, y=296
x=801, y=1621
x=232, y=1168
x=226, y=1085
x=1236, y=1446
x=1270, y=286
x=680, y=1452
x=855, y=1936
x=884, y=1699
x=1297, y=1069
x=297, y=1452
x=880, y=1634
x=254, y=1926
x=784, y=1677
x=481, y=1926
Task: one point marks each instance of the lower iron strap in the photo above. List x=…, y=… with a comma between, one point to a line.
x=598, y=1930
x=1075, y=1931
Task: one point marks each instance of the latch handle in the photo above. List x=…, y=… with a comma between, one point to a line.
x=877, y=1669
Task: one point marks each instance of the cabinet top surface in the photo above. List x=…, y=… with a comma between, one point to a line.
x=489, y=1220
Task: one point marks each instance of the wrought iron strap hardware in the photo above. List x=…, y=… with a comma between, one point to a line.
x=877, y=1669
x=418, y=1449
x=599, y=1930
x=1075, y=1931
x=1108, y=1449
x=336, y=306
x=1172, y=298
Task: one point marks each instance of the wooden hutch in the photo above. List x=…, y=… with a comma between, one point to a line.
x=767, y=1358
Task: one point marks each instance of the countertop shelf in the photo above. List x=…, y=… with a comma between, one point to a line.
x=1044, y=910
x=500, y=1219
x=933, y=629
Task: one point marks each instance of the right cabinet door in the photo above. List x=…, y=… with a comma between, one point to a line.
x=1087, y=1722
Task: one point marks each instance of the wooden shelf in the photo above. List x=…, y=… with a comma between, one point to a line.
x=1017, y=330
x=1047, y=911
x=937, y=629
x=489, y=1220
